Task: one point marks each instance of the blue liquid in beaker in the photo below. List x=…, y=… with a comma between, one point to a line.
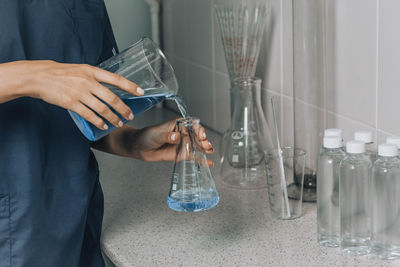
x=138, y=104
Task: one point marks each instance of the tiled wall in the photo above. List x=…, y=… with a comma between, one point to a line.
x=364, y=72
x=130, y=20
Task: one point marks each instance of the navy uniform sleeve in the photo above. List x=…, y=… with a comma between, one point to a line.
x=109, y=44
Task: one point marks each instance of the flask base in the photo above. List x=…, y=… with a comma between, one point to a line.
x=244, y=183
x=182, y=205
x=251, y=178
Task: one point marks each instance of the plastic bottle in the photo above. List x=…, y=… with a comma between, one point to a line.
x=328, y=212
x=333, y=132
x=385, y=203
x=394, y=140
x=370, y=146
x=355, y=233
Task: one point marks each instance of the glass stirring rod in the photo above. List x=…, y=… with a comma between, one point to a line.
x=281, y=167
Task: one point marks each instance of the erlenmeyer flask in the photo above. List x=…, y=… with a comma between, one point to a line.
x=243, y=145
x=192, y=186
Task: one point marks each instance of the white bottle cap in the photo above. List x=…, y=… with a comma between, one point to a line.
x=333, y=132
x=355, y=147
x=394, y=140
x=387, y=150
x=332, y=142
x=365, y=136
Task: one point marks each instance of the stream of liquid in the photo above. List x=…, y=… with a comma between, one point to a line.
x=180, y=104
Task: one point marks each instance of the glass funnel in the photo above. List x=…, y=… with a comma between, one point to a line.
x=192, y=186
x=241, y=26
x=243, y=144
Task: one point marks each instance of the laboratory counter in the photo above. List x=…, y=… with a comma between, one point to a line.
x=140, y=230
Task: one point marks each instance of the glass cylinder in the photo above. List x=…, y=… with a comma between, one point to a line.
x=308, y=84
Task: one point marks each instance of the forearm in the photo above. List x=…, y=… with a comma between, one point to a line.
x=120, y=142
x=15, y=81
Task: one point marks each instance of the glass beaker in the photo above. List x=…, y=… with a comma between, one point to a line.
x=293, y=159
x=192, y=185
x=144, y=64
x=243, y=144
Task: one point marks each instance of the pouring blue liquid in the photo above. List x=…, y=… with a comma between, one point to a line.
x=138, y=104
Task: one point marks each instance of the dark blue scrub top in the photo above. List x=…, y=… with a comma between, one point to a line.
x=51, y=203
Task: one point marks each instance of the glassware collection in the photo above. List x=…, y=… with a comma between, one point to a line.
x=358, y=189
x=358, y=199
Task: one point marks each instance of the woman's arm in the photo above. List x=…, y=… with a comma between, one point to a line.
x=154, y=143
x=75, y=87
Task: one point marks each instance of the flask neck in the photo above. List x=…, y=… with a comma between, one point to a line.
x=189, y=130
x=247, y=94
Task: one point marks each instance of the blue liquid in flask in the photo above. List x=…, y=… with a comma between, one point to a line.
x=138, y=104
x=192, y=202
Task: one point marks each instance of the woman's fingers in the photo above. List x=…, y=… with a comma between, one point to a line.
x=210, y=163
x=89, y=115
x=113, y=100
x=207, y=147
x=202, y=133
x=100, y=108
x=116, y=80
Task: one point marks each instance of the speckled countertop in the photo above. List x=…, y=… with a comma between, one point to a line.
x=140, y=230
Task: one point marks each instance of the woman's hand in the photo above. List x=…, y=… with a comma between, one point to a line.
x=158, y=143
x=155, y=143
x=75, y=87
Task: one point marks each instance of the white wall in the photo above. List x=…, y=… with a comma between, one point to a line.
x=365, y=77
x=130, y=20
